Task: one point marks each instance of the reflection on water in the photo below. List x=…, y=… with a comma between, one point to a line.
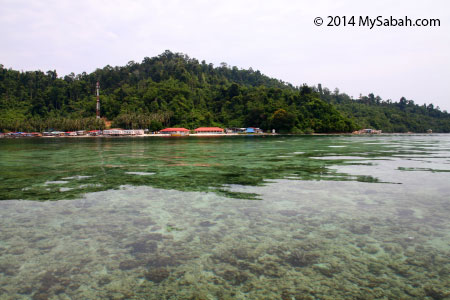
x=317, y=231
x=54, y=169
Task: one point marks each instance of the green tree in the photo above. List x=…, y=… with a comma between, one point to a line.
x=282, y=120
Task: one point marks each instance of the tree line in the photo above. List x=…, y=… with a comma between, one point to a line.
x=391, y=116
x=174, y=90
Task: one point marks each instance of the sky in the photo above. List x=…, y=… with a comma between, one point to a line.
x=279, y=38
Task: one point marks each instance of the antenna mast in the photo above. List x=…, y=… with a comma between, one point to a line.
x=98, y=99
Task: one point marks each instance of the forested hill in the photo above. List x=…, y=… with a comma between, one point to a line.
x=175, y=90
x=402, y=116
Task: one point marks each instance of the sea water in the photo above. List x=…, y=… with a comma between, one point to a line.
x=286, y=217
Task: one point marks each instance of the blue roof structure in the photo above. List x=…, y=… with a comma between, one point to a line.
x=250, y=130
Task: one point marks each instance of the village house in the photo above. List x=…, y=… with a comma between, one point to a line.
x=175, y=131
x=114, y=132
x=367, y=131
x=58, y=133
x=122, y=132
x=253, y=130
x=94, y=132
x=209, y=130
x=134, y=131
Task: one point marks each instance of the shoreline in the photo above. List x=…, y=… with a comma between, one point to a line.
x=215, y=135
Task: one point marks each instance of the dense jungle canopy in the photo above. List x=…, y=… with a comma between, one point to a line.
x=174, y=90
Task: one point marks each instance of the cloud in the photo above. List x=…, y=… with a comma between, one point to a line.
x=277, y=37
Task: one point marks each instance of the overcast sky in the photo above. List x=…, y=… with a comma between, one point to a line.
x=278, y=38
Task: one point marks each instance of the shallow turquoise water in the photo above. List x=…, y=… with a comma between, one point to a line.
x=322, y=217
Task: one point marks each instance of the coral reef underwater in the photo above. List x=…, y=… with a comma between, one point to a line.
x=336, y=218
x=118, y=245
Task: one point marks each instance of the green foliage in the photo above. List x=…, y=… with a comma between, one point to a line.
x=175, y=90
x=403, y=116
x=152, y=121
x=282, y=120
x=39, y=124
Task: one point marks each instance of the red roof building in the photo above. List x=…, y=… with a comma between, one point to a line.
x=177, y=131
x=208, y=130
